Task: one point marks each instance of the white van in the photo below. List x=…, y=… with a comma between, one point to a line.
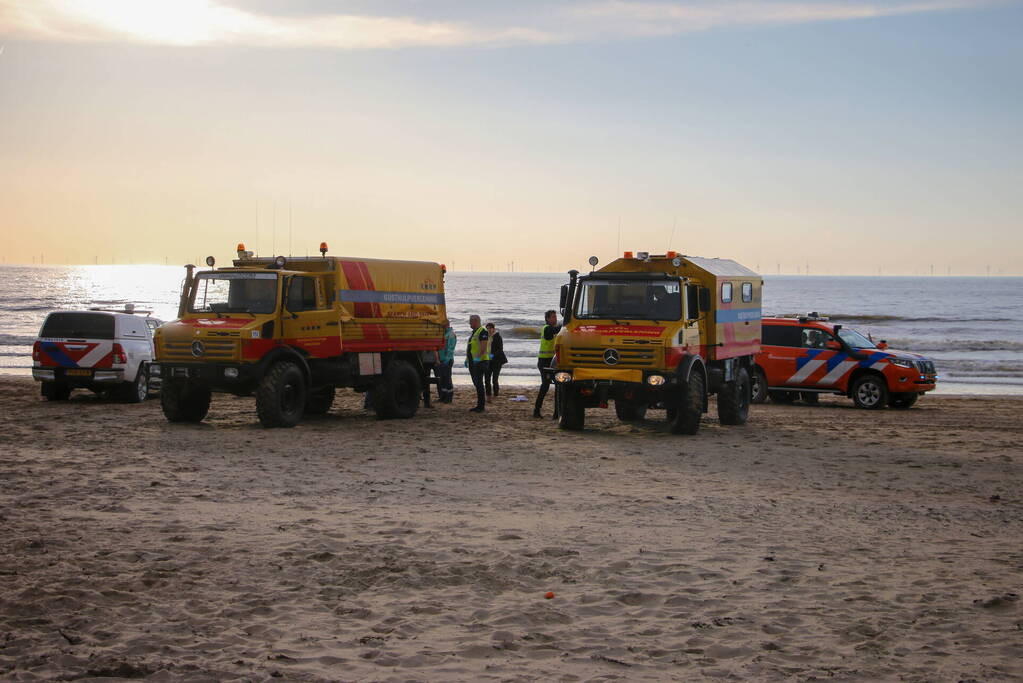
x=97, y=349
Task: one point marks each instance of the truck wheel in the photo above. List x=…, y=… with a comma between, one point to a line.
x=319, y=402
x=630, y=411
x=783, y=396
x=903, y=401
x=810, y=398
x=137, y=390
x=55, y=391
x=758, y=386
x=684, y=417
x=281, y=396
x=734, y=399
x=398, y=392
x=572, y=415
x=184, y=402
x=870, y=392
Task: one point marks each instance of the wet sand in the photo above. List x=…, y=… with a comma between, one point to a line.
x=812, y=543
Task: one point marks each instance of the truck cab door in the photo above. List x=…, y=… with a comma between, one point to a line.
x=305, y=316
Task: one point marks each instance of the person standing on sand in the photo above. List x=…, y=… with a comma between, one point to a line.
x=498, y=359
x=544, y=359
x=445, y=363
x=478, y=360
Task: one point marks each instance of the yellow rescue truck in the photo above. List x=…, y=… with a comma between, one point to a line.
x=658, y=331
x=292, y=330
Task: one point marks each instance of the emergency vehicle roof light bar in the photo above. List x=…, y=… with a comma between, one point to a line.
x=323, y=249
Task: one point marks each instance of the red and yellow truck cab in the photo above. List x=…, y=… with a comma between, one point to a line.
x=658, y=331
x=803, y=357
x=291, y=330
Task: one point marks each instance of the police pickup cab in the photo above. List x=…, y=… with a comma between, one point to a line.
x=97, y=349
x=803, y=357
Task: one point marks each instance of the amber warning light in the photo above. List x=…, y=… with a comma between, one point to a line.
x=323, y=248
x=242, y=253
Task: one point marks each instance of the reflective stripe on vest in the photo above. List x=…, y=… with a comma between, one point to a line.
x=546, y=345
x=474, y=346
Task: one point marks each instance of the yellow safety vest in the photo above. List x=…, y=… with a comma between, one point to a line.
x=546, y=345
x=474, y=346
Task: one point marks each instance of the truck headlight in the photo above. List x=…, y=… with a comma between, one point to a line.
x=901, y=362
x=231, y=373
x=562, y=377
x=655, y=380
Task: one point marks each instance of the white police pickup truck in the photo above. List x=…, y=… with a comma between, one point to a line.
x=98, y=349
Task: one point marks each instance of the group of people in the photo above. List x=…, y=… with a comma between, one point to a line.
x=485, y=357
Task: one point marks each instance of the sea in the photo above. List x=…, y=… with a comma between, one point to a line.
x=972, y=327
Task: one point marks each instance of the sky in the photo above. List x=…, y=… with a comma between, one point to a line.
x=829, y=137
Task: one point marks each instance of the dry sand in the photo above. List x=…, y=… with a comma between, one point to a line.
x=812, y=543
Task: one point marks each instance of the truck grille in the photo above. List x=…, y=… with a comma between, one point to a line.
x=627, y=358
x=214, y=350
x=925, y=367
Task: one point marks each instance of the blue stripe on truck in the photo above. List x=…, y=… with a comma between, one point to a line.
x=736, y=315
x=370, y=296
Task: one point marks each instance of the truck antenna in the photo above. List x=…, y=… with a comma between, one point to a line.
x=674, y=222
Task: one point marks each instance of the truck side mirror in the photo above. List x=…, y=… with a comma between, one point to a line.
x=564, y=299
x=704, y=299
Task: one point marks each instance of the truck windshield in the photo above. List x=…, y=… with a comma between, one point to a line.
x=855, y=340
x=629, y=299
x=235, y=293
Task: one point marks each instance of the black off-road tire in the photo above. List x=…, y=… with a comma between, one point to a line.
x=630, y=411
x=184, y=402
x=758, y=386
x=870, y=392
x=572, y=412
x=281, y=396
x=734, y=399
x=903, y=401
x=783, y=396
x=319, y=402
x=810, y=398
x=684, y=416
x=55, y=391
x=137, y=390
x=398, y=392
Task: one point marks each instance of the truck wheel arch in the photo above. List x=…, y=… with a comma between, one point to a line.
x=860, y=372
x=285, y=353
x=691, y=364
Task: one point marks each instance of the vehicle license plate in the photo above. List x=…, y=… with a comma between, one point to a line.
x=77, y=372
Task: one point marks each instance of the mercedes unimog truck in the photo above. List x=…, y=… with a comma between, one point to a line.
x=658, y=331
x=291, y=330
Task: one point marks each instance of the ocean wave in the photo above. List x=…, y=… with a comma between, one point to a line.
x=16, y=340
x=866, y=318
x=922, y=345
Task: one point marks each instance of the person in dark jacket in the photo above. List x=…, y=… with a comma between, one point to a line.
x=498, y=359
x=544, y=358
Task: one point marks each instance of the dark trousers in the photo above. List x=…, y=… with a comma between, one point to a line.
x=478, y=371
x=490, y=379
x=546, y=376
x=445, y=388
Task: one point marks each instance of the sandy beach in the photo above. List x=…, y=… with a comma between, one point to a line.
x=812, y=543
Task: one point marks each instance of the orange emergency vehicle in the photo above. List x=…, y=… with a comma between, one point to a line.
x=803, y=357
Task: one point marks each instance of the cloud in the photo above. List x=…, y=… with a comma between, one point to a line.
x=216, y=22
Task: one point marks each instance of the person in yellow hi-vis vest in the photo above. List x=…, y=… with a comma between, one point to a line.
x=478, y=360
x=544, y=358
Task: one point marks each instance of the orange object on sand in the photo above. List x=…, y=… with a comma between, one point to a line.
x=549, y=594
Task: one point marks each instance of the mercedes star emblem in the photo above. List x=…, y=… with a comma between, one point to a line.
x=197, y=348
x=611, y=357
